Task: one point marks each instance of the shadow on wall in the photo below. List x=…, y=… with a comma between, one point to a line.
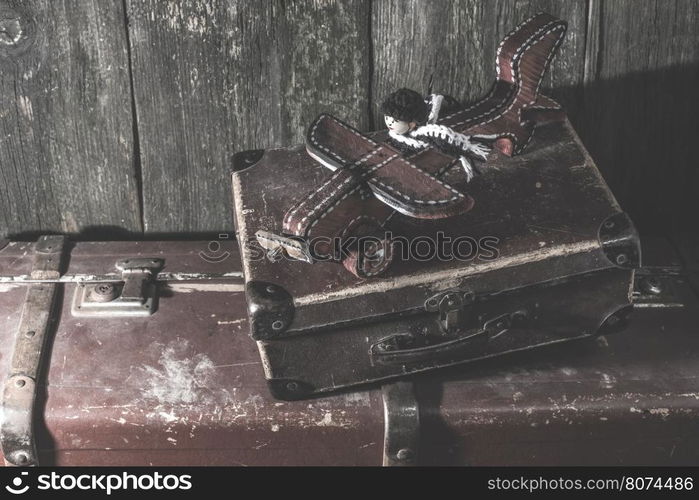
x=640, y=130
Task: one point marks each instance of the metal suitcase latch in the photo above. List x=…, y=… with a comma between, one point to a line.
x=452, y=307
x=135, y=295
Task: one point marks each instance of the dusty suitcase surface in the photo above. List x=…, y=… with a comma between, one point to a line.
x=185, y=386
x=556, y=225
x=624, y=399
x=182, y=386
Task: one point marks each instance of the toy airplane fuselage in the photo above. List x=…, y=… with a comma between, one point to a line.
x=372, y=180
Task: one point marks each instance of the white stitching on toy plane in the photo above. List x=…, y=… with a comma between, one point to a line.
x=497, y=68
x=328, y=197
x=507, y=37
x=536, y=37
x=355, y=132
x=313, y=139
x=457, y=194
x=332, y=207
x=515, y=88
x=557, y=44
x=318, y=145
x=315, y=142
x=293, y=211
x=363, y=176
x=359, y=180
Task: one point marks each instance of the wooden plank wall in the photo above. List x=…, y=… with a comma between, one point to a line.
x=121, y=118
x=212, y=78
x=66, y=130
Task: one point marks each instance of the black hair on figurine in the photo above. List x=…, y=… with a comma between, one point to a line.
x=406, y=105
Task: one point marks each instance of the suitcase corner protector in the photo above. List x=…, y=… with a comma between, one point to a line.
x=620, y=242
x=270, y=307
x=246, y=159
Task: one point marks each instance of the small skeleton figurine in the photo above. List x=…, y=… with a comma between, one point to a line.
x=411, y=122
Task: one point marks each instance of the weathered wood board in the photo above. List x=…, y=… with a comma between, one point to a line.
x=125, y=116
x=66, y=131
x=212, y=78
x=455, y=42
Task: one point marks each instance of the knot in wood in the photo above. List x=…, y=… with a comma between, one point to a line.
x=17, y=30
x=11, y=31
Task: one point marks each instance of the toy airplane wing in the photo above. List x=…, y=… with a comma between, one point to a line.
x=393, y=179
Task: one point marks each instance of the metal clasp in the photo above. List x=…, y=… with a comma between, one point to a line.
x=452, y=307
x=401, y=424
x=135, y=295
x=656, y=286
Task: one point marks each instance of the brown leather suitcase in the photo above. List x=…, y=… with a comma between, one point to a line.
x=563, y=270
x=550, y=252
x=185, y=385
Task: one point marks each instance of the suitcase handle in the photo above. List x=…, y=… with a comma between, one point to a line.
x=401, y=348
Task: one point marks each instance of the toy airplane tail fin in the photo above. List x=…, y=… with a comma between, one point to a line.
x=514, y=103
x=525, y=54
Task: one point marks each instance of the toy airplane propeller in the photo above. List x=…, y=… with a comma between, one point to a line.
x=403, y=173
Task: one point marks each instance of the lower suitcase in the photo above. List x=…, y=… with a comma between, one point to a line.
x=182, y=382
